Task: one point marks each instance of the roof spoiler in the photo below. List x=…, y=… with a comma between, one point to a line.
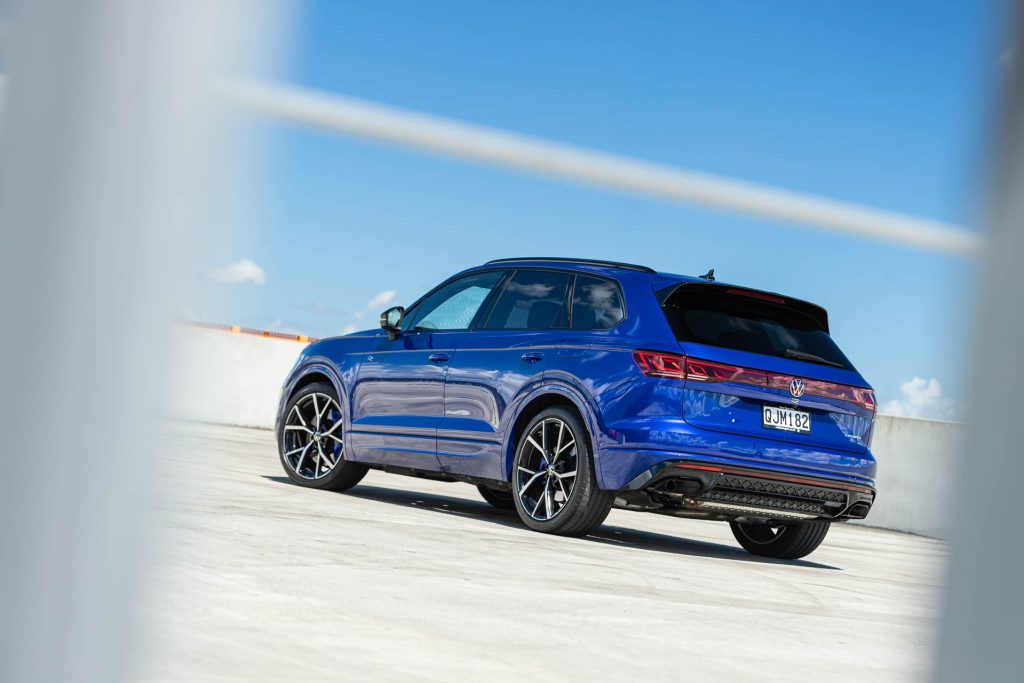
x=814, y=311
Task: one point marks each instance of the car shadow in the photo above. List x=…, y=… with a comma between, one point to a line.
x=608, y=535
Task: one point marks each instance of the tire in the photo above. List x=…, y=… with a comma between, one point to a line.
x=310, y=441
x=573, y=511
x=498, y=498
x=786, y=542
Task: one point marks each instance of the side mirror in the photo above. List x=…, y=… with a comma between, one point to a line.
x=391, y=320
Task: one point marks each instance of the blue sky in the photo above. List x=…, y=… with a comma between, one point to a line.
x=880, y=103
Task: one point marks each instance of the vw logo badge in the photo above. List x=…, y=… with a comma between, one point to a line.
x=796, y=387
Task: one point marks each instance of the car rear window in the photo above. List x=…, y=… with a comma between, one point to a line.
x=711, y=316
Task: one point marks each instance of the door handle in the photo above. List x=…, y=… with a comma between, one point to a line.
x=533, y=356
x=439, y=358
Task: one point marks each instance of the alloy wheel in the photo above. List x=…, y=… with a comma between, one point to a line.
x=546, y=469
x=312, y=437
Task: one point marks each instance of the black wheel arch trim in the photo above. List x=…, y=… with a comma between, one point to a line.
x=315, y=365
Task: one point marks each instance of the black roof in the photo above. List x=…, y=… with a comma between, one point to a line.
x=579, y=261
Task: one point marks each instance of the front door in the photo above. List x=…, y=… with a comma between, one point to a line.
x=398, y=399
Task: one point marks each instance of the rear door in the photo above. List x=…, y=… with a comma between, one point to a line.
x=494, y=363
x=764, y=366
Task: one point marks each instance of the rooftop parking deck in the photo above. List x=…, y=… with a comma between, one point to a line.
x=407, y=579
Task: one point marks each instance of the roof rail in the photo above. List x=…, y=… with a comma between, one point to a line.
x=580, y=261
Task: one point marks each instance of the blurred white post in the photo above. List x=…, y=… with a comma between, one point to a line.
x=104, y=136
x=982, y=632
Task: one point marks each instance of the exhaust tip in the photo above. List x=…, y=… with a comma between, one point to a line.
x=858, y=510
x=681, y=487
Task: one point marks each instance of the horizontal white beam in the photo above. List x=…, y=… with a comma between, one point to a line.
x=489, y=145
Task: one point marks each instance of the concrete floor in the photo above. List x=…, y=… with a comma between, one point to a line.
x=403, y=579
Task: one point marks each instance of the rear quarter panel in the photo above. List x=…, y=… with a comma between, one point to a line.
x=599, y=366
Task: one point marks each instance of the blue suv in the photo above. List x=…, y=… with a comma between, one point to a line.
x=562, y=388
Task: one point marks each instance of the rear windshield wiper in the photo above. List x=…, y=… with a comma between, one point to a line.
x=803, y=355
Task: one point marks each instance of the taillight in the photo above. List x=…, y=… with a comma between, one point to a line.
x=864, y=398
x=867, y=399
x=667, y=365
x=706, y=371
x=660, y=364
x=655, y=364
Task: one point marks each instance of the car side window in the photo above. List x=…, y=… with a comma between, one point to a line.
x=532, y=300
x=454, y=306
x=596, y=303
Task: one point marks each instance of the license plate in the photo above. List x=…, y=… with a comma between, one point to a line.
x=786, y=419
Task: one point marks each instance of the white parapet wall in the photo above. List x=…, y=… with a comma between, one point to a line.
x=236, y=379
x=232, y=379
x=917, y=464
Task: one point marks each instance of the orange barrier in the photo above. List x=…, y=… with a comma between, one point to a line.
x=235, y=329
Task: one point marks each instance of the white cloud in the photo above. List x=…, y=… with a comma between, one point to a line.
x=922, y=398
x=377, y=303
x=380, y=299
x=1007, y=56
x=243, y=271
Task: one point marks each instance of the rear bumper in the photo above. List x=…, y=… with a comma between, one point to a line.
x=631, y=446
x=744, y=492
